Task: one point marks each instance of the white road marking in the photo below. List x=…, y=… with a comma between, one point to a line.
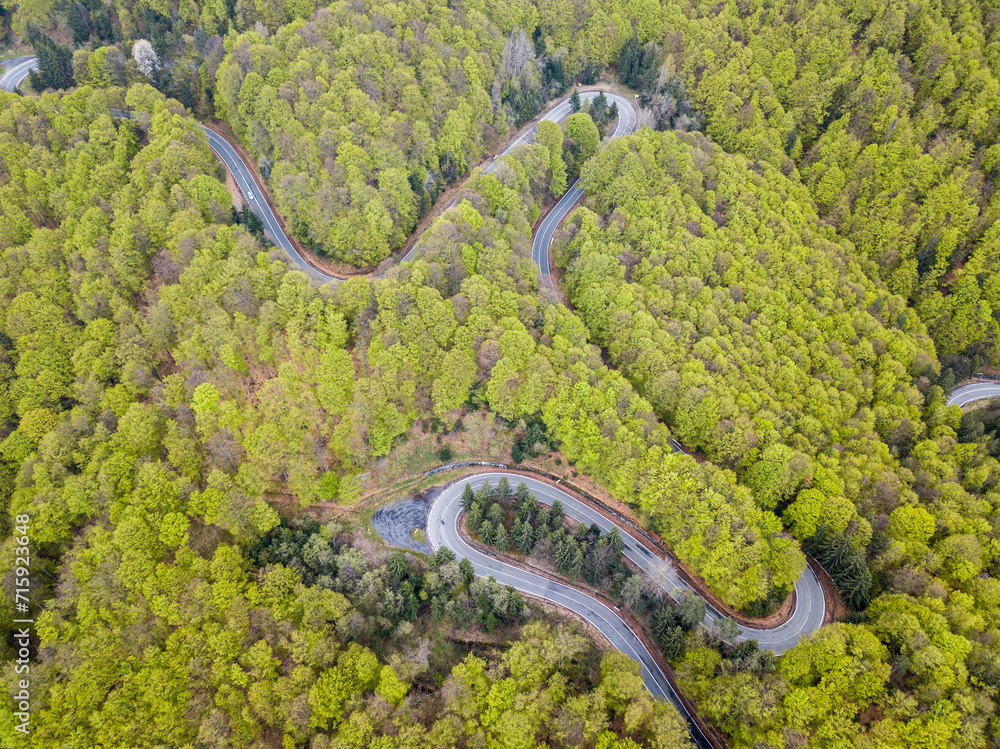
x=973, y=392
x=13, y=77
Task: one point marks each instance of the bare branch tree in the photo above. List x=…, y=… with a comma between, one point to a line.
x=146, y=57
x=505, y=174
x=646, y=118
x=661, y=578
x=518, y=60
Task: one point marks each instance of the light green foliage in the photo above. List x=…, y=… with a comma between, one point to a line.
x=451, y=389
x=537, y=699
x=891, y=120
x=582, y=134
x=592, y=411
x=727, y=384
x=357, y=671
x=911, y=523
x=888, y=119
x=812, y=508
x=157, y=393
x=840, y=663
x=550, y=135
x=621, y=680
x=724, y=382
x=359, y=130
x=160, y=377
x=390, y=687
x=764, y=343
x=817, y=696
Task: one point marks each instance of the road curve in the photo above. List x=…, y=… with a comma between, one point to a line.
x=625, y=125
x=19, y=69
x=252, y=195
x=974, y=391
x=810, y=605
x=251, y=192
x=16, y=71
x=233, y=162
x=442, y=530
x=543, y=235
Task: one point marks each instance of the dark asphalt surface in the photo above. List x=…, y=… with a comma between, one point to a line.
x=973, y=392
x=442, y=530
x=627, y=119
x=251, y=193
x=394, y=523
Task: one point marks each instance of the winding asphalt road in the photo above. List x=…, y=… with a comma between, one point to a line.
x=442, y=530
x=974, y=391
x=442, y=521
x=810, y=605
x=17, y=69
x=252, y=195
x=543, y=235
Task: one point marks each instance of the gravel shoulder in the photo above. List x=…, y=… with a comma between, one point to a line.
x=395, y=522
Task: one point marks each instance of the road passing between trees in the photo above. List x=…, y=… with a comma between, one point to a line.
x=19, y=69
x=442, y=532
x=443, y=518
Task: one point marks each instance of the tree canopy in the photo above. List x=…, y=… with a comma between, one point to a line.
x=789, y=291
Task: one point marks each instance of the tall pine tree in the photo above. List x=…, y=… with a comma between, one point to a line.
x=55, y=62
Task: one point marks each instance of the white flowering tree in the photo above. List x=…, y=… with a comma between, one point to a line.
x=146, y=57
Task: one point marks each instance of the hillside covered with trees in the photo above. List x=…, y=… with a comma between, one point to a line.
x=786, y=270
x=156, y=365
x=888, y=114
x=756, y=335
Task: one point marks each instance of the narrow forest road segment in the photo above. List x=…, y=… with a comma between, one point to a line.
x=974, y=391
x=442, y=531
x=19, y=69
x=16, y=71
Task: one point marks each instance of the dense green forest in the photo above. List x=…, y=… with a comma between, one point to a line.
x=357, y=131
x=888, y=113
x=790, y=290
x=756, y=334
x=162, y=377
x=357, y=119
x=891, y=114
x=474, y=267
